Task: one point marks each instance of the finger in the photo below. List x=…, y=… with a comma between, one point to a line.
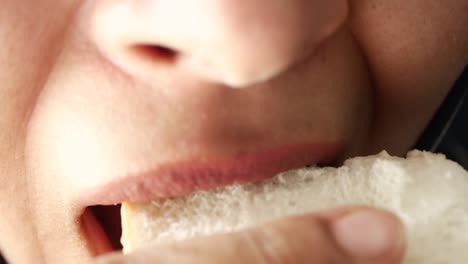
x=369, y=236
x=360, y=236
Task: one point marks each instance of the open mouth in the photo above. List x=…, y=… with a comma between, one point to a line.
x=101, y=218
x=102, y=227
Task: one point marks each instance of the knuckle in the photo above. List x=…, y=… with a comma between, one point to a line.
x=271, y=246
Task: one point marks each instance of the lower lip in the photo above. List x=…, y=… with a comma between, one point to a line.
x=183, y=177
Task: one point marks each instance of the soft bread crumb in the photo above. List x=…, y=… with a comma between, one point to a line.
x=428, y=192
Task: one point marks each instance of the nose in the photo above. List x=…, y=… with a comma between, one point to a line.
x=233, y=42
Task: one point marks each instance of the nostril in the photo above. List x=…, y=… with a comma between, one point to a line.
x=155, y=53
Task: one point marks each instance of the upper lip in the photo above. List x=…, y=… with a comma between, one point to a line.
x=182, y=177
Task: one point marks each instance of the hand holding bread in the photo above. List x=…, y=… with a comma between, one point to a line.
x=428, y=193
x=353, y=235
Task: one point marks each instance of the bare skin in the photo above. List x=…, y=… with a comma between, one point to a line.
x=319, y=238
x=81, y=107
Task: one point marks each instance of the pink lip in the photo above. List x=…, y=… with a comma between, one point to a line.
x=182, y=177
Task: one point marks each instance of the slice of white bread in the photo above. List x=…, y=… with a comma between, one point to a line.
x=428, y=192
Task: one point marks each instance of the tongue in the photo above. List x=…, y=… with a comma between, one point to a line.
x=98, y=239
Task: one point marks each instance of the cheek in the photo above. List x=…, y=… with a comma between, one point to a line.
x=29, y=39
x=416, y=50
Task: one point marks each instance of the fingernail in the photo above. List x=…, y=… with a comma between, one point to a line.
x=368, y=234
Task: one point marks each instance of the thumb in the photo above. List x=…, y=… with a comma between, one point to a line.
x=368, y=235
x=359, y=235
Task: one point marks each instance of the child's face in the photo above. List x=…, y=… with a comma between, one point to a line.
x=86, y=99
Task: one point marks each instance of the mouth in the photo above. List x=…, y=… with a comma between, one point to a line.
x=101, y=220
x=101, y=226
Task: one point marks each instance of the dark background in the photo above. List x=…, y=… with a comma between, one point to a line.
x=448, y=131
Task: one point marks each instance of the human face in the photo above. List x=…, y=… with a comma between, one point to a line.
x=107, y=93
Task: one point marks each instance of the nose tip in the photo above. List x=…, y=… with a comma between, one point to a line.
x=229, y=42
